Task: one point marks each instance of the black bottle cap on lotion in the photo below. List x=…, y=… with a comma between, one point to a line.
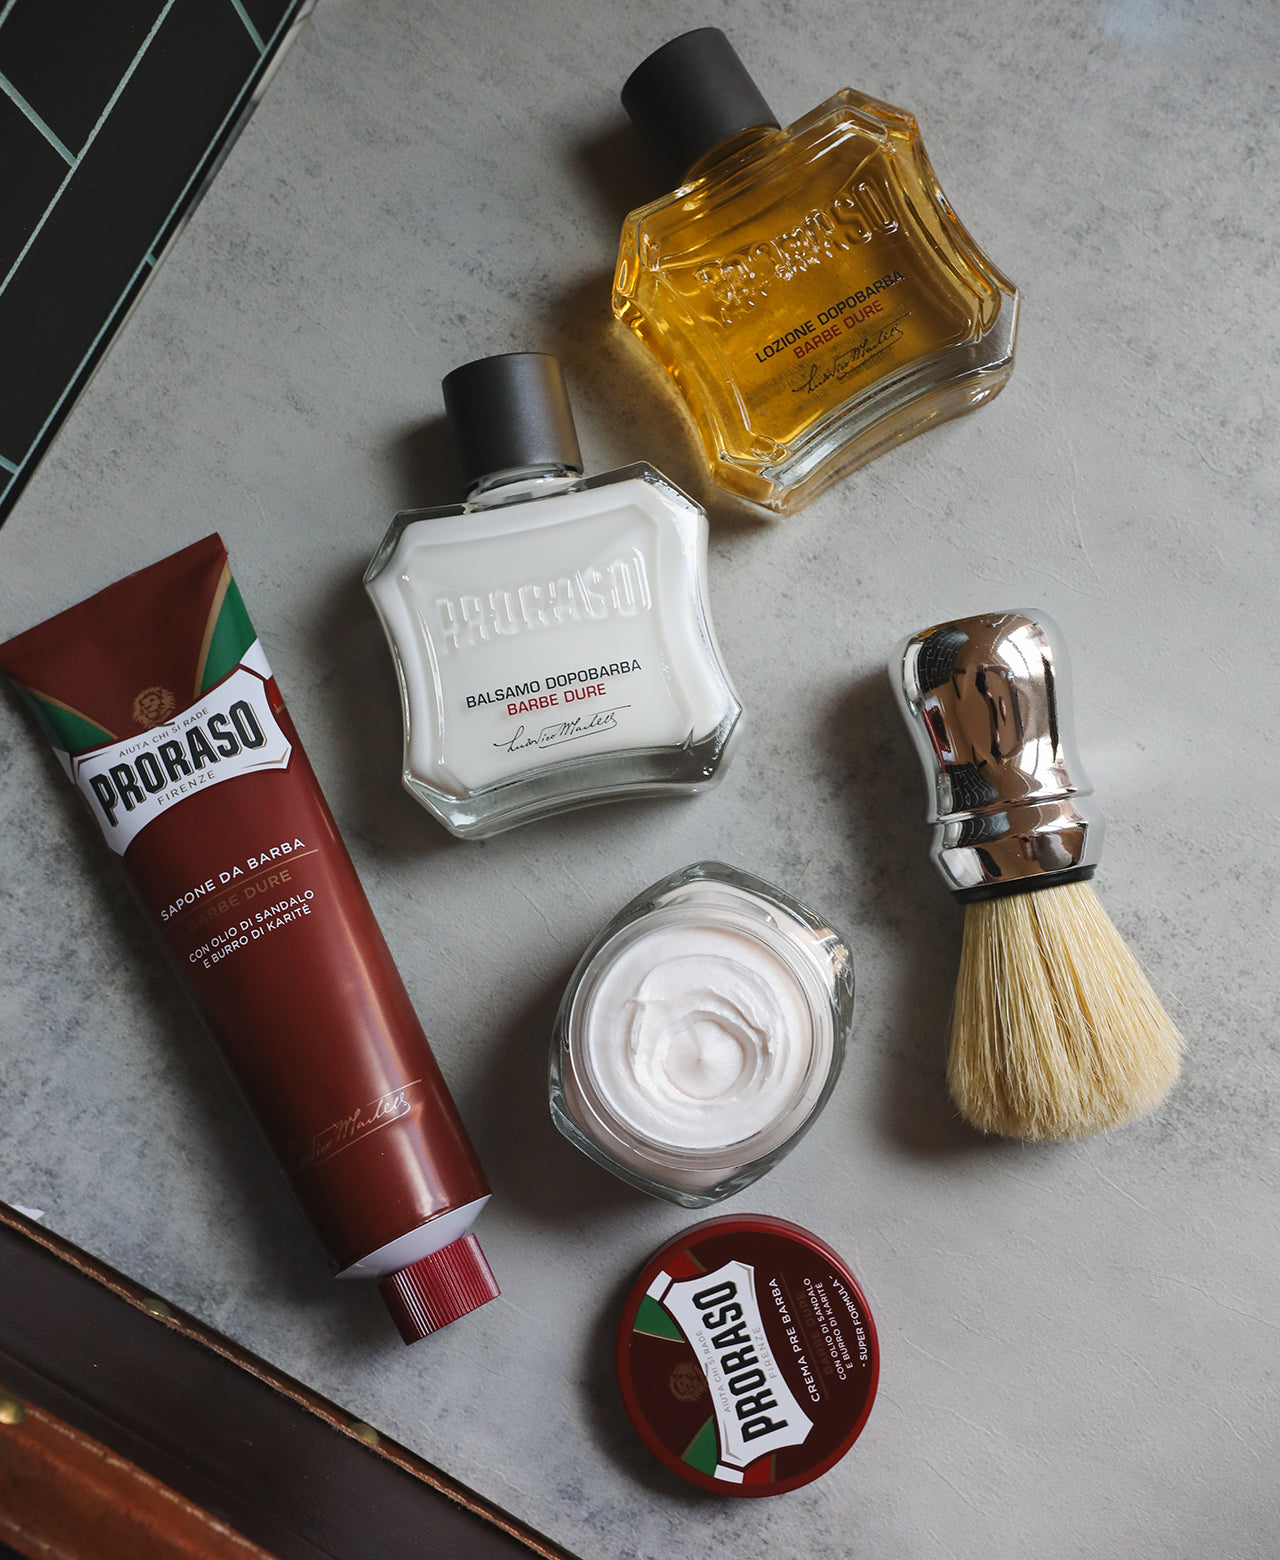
x=690, y=96
x=510, y=413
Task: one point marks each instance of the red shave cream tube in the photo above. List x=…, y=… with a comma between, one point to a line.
x=162, y=709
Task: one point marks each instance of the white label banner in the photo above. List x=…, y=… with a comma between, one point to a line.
x=231, y=732
x=754, y=1408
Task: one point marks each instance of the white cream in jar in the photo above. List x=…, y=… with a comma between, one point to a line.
x=698, y=1035
x=701, y=1033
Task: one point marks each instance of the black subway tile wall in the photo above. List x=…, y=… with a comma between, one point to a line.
x=112, y=116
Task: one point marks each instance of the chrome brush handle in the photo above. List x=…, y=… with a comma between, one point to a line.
x=987, y=701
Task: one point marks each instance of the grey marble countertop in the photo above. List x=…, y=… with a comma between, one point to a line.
x=1080, y=1342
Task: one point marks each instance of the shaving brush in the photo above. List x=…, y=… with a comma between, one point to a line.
x=1055, y=1031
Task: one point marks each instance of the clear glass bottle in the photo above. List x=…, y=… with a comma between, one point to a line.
x=701, y=1034
x=551, y=635
x=810, y=290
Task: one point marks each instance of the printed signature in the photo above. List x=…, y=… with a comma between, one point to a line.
x=851, y=359
x=349, y=1129
x=563, y=731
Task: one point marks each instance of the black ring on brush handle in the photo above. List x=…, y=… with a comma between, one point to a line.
x=973, y=896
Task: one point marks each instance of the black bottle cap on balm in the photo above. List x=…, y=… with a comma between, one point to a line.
x=690, y=96
x=510, y=413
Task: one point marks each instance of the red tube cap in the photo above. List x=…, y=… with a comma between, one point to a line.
x=437, y=1290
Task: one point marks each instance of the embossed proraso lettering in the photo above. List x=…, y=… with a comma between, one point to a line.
x=856, y=214
x=618, y=588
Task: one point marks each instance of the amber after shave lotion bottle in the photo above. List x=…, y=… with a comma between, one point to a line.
x=551, y=635
x=809, y=290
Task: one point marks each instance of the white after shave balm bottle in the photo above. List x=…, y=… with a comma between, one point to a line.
x=551, y=635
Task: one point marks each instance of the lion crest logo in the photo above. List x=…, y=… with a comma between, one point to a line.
x=153, y=706
x=687, y=1382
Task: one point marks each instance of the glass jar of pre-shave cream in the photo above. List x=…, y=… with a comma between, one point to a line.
x=701, y=1034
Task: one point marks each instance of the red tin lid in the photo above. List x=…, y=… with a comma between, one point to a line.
x=747, y=1356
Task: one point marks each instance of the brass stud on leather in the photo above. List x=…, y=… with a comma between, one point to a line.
x=12, y=1410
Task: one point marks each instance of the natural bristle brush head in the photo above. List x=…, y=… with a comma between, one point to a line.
x=1056, y=1031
